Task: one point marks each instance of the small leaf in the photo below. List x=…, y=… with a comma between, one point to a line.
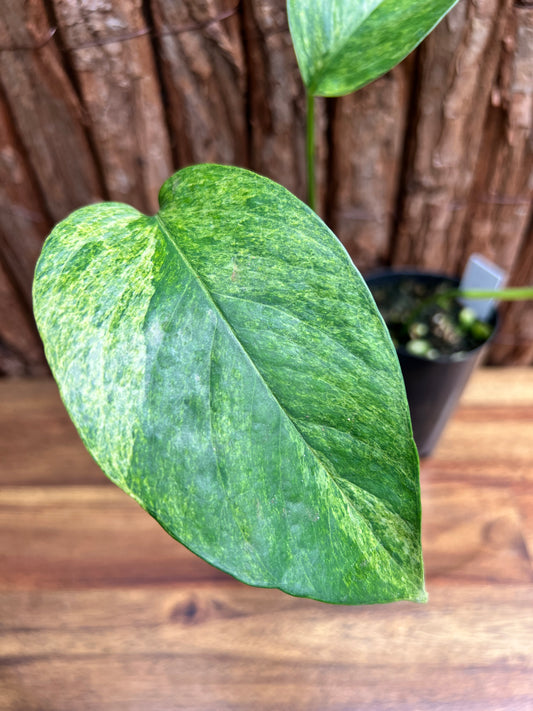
x=341, y=45
x=225, y=365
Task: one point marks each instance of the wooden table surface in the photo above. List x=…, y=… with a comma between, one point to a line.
x=101, y=610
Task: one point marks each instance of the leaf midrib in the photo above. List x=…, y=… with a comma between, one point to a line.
x=333, y=475
x=220, y=313
x=325, y=335
x=331, y=58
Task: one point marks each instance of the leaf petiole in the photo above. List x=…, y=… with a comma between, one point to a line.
x=519, y=293
x=310, y=152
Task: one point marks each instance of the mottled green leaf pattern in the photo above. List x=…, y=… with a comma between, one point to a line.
x=225, y=365
x=341, y=45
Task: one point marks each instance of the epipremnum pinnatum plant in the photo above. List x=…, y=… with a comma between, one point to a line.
x=225, y=365
x=342, y=45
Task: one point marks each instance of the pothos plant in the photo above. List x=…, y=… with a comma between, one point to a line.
x=225, y=364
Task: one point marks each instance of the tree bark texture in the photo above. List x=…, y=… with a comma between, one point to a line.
x=514, y=341
x=48, y=115
x=497, y=215
x=365, y=174
x=21, y=352
x=456, y=73
x=23, y=217
x=120, y=93
x=104, y=99
x=204, y=76
x=276, y=95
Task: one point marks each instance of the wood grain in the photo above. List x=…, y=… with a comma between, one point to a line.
x=33, y=409
x=101, y=610
x=214, y=682
x=465, y=538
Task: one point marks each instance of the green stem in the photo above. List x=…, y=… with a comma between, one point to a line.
x=518, y=293
x=310, y=152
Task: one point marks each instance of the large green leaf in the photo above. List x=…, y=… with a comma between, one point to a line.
x=225, y=365
x=341, y=45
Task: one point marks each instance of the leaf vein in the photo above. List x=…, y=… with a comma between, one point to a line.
x=210, y=296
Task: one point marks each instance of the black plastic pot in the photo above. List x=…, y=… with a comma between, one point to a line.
x=433, y=386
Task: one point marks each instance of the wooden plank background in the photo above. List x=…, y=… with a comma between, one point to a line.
x=104, y=100
x=100, y=610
